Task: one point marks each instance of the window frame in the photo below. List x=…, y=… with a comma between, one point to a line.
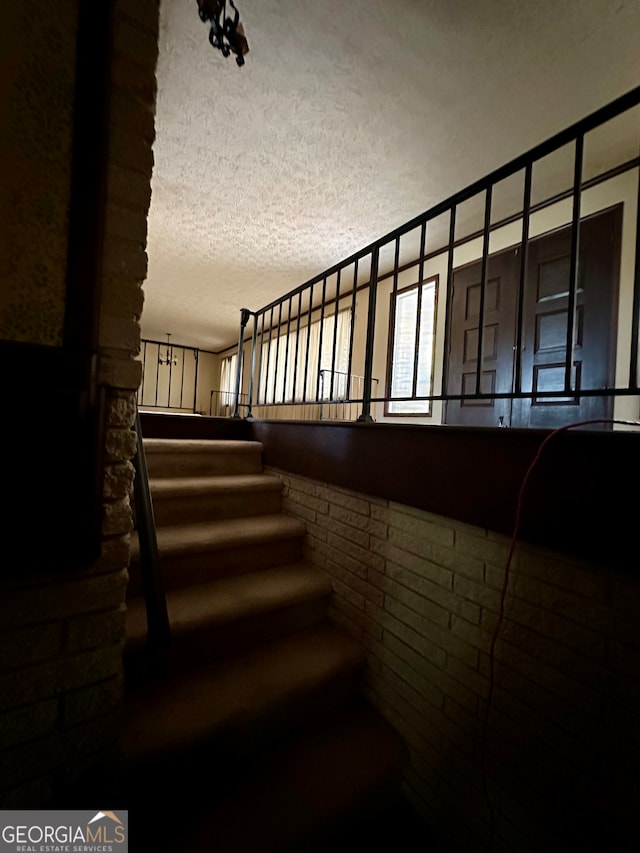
x=393, y=297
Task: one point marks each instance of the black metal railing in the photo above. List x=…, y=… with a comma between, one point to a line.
x=169, y=377
x=354, y=318
x=337, y=390
x=227, y=404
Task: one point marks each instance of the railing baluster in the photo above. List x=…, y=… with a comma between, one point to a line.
x=286, y=354
x=266, y=374
x=448, y=302
x=635, y=319
x=254, y=343
x=573, y=270
x=321, y=335
x=524, y=251
x=365, y=415
x=483, y=285
x=416, y=354
x=275, y=371
x=258, y=403
x=182, y=377
x=335, y=335
x=157, y=376
x=170, y=358
x=196, y=355
x=141, y=390
x=352, y=326
x=306, y=359
x=297, y=349
x=244, y=319
x=396, y=265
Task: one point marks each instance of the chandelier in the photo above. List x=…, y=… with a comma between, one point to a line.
x=225, y=33
x=169, y=358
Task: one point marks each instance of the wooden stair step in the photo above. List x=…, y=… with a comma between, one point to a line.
x=188, y=500
x=196, y=553
x=306, y=792
x=239, y=702
x=169, y=457
x=227, y=615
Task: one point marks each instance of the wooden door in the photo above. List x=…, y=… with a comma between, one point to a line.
x=544, y=329
x=497, y=344
x=545, y=324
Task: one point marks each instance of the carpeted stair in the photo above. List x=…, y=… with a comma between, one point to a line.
x=248, y=732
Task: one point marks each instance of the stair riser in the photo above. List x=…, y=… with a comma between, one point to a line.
x=201, y=464
x=247, y=735
x=192, y=509
x=213, y=642
x=186, y=569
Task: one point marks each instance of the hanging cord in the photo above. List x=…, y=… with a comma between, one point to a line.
x=503, y=597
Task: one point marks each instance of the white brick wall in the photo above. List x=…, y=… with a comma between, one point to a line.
x=422, y=593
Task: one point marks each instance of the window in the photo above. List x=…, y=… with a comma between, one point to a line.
x=288, y=354
x=228, y=370
x=225, y=398
x=410, y=372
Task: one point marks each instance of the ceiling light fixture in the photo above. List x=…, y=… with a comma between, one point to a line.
x=169, y=358
x=226, y=33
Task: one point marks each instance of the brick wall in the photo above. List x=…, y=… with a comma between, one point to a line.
x=62, y=632
x=422, y=594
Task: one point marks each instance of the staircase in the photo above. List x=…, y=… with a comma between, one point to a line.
x=248, y=733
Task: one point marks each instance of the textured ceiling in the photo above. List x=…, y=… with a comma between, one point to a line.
x=348, y=119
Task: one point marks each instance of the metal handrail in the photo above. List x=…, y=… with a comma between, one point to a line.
x=158, y=625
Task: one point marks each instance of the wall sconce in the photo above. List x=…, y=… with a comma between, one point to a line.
x=226, y=33
x=169, y=358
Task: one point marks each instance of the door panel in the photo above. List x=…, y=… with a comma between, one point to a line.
x=497, y=342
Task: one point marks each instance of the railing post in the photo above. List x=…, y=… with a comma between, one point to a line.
x=254, y=339
x=365, y=415
x=195, y=379
x=244, y=319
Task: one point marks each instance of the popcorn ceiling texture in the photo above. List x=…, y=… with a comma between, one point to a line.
x=347, y=120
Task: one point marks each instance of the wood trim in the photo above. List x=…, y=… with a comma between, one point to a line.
x=163, y=425
x=576, y=501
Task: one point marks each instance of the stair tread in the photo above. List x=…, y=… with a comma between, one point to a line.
x=309, y=785
x=199, y=445
x=162, y=487
x=228, y=599
x=223, y=533
x=231, y=694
